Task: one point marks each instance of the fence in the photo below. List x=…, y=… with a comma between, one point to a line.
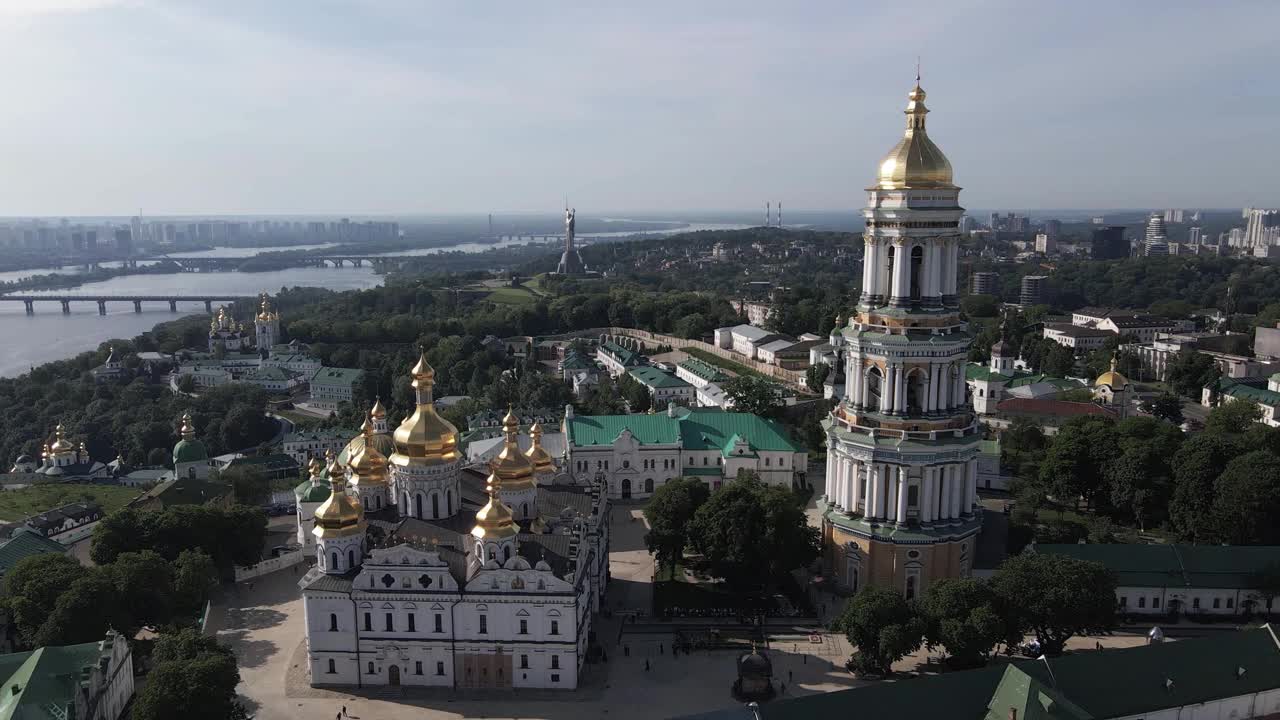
x=269, y=566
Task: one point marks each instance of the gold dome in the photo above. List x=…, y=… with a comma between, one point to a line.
x=368, y=467
x=494, y=520
x=915, y=162
x=61, y=443
x=512, y=468
x=187, y=430
x=538, y=455
x=1112, y=378
x=424, y=437
x=265, y=315
x=377, y=411
x=340, y=515
x=315, y=468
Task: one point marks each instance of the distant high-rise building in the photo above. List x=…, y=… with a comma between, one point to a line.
x=1235, y=238
x=1046, y=243
x=967, y=224
x=1156, y=240
x=1195, y=216
x=1033, y=290
x=1099, y=220
x=984, y=283
x=995, y=222
x=1196, y=236
x=1173, y=216
x=1258, y=222
x=1108, y=243
x=124, y=241
x=1053, y=228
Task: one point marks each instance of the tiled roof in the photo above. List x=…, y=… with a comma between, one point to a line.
x=184, y=491
x=624, y=356
x=1055, y=408
x=1245, y=389
x=343, y=377
x=25, y=544
x=653, y=377
x=694, y=429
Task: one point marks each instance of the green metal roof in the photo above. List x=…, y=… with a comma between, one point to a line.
x=46, y=681
x=1032, y=699
x=306, y=492
x=622, y=355
x=1201, y=566
x=704, y=370
x=653, y=377
x=1241, y=391
x=340, y=377
x=189, y=451
x=691, y=428
x=25, y=544
x=574, y=361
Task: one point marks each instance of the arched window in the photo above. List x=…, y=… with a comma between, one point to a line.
x=333, y=561
x=506, y=553
x=875, y=385
x=915, y=392
x=448, y=502
x=370, y=667
x=435, y=505
x=333, y=622
x=524, y=510
x=332, y=667
x=893, y=251
x=351, y=559
x=917, y=264
x=648, y=485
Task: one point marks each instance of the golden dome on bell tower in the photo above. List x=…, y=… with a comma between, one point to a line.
x=341, y=515
x=494, y=521
x=538, y=455
x=424, y=437
x=915, y=162
x=513, y=468
x=369, y=466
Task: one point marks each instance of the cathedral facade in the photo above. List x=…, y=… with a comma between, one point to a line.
x=900, y=507
x=425, y=575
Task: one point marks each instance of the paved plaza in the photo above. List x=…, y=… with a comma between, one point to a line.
x=263, y=623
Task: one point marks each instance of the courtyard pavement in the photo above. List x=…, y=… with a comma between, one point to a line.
x=262, y=621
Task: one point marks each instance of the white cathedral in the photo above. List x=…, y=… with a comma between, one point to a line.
x=415, y=586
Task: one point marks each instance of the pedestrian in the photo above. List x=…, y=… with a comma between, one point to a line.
x=344, y=711
x=791, y=675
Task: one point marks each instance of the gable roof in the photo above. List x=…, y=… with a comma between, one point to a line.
x=702, y=369
x=654, y=378
x=343, y=377
x=25, y=544
x=1053, y=408
x=46, y=681
x=692, y=428
x=622, y=355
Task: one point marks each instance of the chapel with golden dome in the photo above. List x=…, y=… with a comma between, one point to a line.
x=900, y=507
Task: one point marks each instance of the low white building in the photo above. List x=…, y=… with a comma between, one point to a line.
x=205, y=375
x=636, y=454
x=302, y=446
x=663, y=387
x=332, y=386
x=1263, y=393
x=1077, y=337
x=699, y=374
x=1181, y=579
x=617, y=359
x=745, y=339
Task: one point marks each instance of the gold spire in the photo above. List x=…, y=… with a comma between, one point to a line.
x=424, y=437
x=60, y=443
x=187, y=430
x=494, y=520
x=541, y=459
x=368, y=467
x=377, y=411
x=265, y=315
x=315, y=469
x=915, y=162
x=45, y=451
x=513, y=469
x=341, y=515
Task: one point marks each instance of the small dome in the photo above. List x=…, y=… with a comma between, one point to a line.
x=1112, y=378
x=538, y=455
x=341, y=515
x=915, y=162
x=189, y=449
x=1001, y=348
x=494, y=520
x=61, y=443
x=424, y=437
x=755, y=662
x=513, y=468
x=368, y=467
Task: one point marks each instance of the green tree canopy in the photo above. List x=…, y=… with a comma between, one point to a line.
x=669, y=512
x=882, y=625
x=746, y=527
x=1073, y=466
x=1196, y=467
x=194, y=677
x=1247, y=500
x=1055, y=597
x=962, y=615
x=752, y=394
x=1232, y=417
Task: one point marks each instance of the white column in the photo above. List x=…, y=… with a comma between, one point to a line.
x=944, y=392
x=874, y=261
x=828, y=487
x=939, y=271
x=926, y=495
x=931, y=393
x=887, y=393
x=900, y=392
x=971, y=487
x=873, y=485
x=882, y=491
x=902, y=495
x=944, y=493
x=846, y=489
x=957, y=388
x=934, y=269
x=868, y=266
x=957, y=481
x=856, y=371
x=953, y=269
x=856, y=482
x=901, y=271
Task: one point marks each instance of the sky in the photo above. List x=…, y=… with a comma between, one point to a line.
x=380, y=106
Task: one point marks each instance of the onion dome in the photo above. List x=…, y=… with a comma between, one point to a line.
x=915, y=162
x=1002, y=348
x=45, y=451
x=541, y=459
x=424, y=438
x=189, y=449
x=341, y=515
x=265, y=314
x=368, y=467
x=755, y=662
x=61, y=444
x=316, y=487
x=494, y=520
x=377, y=411
x=513, y=469
x=1112, y=378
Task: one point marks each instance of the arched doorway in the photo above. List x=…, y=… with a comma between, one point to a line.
x=626, y=488
x=448, y=502
x=915, y=392
x=917, y=262
x=435, y=506
x=875, y=383
x=417, y=500
x=648, y=485
x=393, y=675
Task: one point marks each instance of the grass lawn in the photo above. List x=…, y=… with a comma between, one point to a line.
x=512, y=296
x=534, y=284
x=716, y=360
x=17, y=504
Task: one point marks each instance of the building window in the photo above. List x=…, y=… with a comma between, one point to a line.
x=1124, y=601
x=413, y=625
x=368, y=622
x=555, y=627
x=439, y=668
x=333, y=622
x=1216, y=603
x=390, y=622
x=704, y=461
x=1230, y=602
x=1195, y=603
x=524, y=662
x=690, y=459
x=766, y=462
x=417, y=667
x=555, y=662
x=524, y=626
x=1155, y=602
x=332, y=668
x=626, y=463
x=555, y=677
x=1142, y=602
x=484, y=625
x=370, y=667
x=439, y=622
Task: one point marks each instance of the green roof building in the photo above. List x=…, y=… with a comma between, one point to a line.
x=1227, y=675
x=663, y=387
x=332, y=386
x=617, y=359
x=1263, y=393
x=190, y=458
x=635, y=454
x=70, y=682
x=25, y=543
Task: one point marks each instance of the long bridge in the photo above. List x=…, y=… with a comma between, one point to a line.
x=137, y=300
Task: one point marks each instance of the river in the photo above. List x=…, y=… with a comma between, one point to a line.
x=50, y=334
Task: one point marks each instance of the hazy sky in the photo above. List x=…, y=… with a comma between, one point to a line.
x=379, y=106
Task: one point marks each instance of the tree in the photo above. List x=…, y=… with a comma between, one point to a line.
x=230, y=536
x=1021, y=447
x=669, y=513
x=980, y=306
x=248, y=488
x=1055, y=597
x=1232, y=417
x=194, y=578
x=816, y=376
x=882, y=625
x=752, y=394
x=144, y=587
x=1059, y=361
x=635, y=393
x=193, y=677
x=1247, y=500
x=82, y=613
x=1073, y=466
x=790, y=541
x=746, y=527
x=32, y=589
x=1140, y=484
x=961, y=615
x=1166, y=406
x=1190, y=371
x=187, y=383
x=1196, y=467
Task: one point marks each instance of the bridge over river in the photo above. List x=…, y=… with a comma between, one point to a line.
x=137, y=300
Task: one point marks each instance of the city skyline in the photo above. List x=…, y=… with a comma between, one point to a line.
x=385, y=109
